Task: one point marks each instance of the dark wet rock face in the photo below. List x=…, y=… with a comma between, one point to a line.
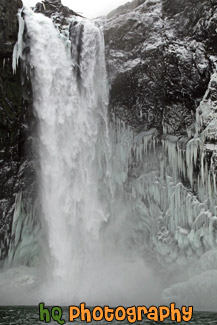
x=15, y=171
x=158, y=58
x=191, y=18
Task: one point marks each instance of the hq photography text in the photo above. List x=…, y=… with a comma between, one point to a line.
x=131, y=314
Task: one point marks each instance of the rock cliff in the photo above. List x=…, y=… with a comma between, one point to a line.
x=158, y=56
x=10, y=117
x=161, y=60
x=16, y=172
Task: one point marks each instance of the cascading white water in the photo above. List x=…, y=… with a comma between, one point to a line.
x=73, y=148
x=86, y=238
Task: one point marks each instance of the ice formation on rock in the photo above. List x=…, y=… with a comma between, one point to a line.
x=24, y=246
x=18, y=48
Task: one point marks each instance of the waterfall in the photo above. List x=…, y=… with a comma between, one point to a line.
x=110, y=199
x=86, y=237
x=73, y=141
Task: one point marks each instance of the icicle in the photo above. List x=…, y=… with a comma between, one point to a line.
x=24, y=246
x=43, y=4
x=18, y=48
